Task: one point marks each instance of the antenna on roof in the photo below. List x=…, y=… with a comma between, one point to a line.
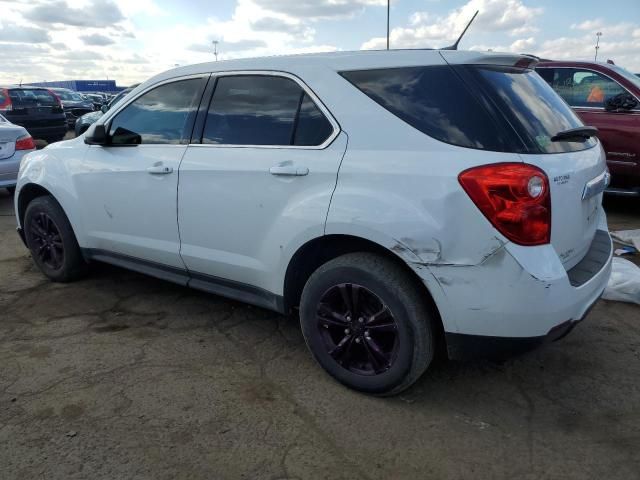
x=455, y=45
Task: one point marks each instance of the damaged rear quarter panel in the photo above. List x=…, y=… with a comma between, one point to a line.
x=409, y=200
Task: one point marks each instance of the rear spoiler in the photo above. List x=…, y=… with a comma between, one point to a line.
x=456, y=57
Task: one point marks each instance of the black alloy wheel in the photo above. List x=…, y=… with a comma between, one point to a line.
x=358, y=329
x=46, y=241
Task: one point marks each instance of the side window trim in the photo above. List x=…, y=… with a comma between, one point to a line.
x=587, y=69
x=205, y=103
x=205, y=80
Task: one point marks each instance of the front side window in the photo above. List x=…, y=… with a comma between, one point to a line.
x=581, y=88
x=263, y=110
x=160, y=116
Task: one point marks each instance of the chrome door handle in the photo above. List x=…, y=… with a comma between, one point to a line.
x=159, y=170
x=289, y=170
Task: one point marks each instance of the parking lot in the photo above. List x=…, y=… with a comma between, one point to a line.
x=124, y=376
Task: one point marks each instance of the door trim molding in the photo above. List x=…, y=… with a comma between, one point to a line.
x=200, y=281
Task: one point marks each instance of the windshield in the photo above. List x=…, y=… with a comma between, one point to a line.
x=634, y=79
x=69, y=95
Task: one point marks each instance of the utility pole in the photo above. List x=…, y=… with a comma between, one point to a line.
x=388, y=12
x=215, y=48
x=598, y=35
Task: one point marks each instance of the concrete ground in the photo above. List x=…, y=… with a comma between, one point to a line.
x=122, y=376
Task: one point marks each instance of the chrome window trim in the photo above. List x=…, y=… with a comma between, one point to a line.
x=604, y=75
x=277, y=73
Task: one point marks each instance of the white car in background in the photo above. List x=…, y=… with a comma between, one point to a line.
x=403, y=201
x=15, y=142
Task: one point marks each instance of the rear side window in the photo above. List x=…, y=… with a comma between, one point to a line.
x=32, y=97
x=484, y=107
x=159, y=116
x=581, y=88
x=435, y=101
x=263, y=110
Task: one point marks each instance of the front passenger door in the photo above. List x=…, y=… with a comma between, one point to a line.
x=129, y=186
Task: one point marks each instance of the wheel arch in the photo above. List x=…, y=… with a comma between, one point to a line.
x=320, y=250
x=26, y=195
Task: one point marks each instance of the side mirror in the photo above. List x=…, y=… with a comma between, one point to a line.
x=96, y=135
x=104, y=108
x=621, y=102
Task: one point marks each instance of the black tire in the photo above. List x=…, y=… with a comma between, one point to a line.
x=397, y=291
x=57, y=253
x=11, y=190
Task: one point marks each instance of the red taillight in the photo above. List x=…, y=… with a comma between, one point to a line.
x=514, y=197
x=5, y=100
x=25, y=143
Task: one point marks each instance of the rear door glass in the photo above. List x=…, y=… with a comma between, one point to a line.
x=263, y=110
x=312, y=127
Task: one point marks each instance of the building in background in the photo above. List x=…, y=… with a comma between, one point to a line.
x=84, y=86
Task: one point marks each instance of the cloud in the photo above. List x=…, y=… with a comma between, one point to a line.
x=599, y=25
x=317, y=9
x=23, y=34
x=96, y=39
x=427, y=31
x=275, y=24
x=238, y=46
x=96, y=14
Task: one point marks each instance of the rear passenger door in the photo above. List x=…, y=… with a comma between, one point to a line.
x=257, y=180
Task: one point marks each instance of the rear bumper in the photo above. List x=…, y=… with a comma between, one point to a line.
x=51, y=132
x=517, y=298
x=9, y=168
x=467, y=347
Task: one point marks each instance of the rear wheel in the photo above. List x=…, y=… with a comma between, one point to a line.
x=50, y=238
x=367, y=324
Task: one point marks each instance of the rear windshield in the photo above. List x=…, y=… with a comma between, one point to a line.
x=36, y=97
x=500, y=109
x=69, y=95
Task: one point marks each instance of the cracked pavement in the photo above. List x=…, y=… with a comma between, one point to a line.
x=124, y=376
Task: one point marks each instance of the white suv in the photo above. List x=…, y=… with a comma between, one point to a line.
x=403, y=201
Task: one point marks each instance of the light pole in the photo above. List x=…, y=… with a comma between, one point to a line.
x=215, y=48
x=598, y=35
x=388, y=12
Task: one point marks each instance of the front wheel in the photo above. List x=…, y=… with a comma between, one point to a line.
x=367, y=323
x=51, y=240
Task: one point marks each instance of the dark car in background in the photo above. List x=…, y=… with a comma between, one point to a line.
x=98, y=100
x=37, y=109
x=74, y=105
x=605, y=96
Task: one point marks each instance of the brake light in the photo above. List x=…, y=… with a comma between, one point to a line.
x=25, y=143
x=514, y=197
x=5, y=100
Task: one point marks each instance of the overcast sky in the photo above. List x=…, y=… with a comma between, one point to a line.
x=130, y=40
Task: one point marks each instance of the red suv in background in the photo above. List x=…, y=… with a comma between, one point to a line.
x=605, y=96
